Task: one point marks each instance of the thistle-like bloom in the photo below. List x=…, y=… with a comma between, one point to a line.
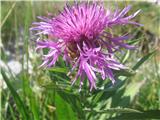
x=79, y=34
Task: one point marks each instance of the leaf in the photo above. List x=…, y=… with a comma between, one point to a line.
x=133, y=88
x=114, y=110
x=9, y=12
x=74, y=101
x=142, y=60
x=150, y=114
x=126, y=56
x=135, y=41
x=63, y=109
x=13, y=116
x=34, y=108
x=20, y=105
x=116, y=86
x=97, y=97
x=125, y=72
x=58, y=69
x=108, y=91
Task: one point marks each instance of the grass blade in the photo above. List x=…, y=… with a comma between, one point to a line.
x=114, y=110
x=20, y=105
x=9, y=12
x=142, y=60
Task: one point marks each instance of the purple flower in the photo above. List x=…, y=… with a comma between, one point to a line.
x=79, y=34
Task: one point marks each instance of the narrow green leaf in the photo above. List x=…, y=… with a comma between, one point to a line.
x=126, y=56
x=132, y=89
x=151, y=114
x=34, y=108
x=97, y=97
x=142, y=60
x=20, y=105
x=32, y=102
x=9, y=12
x=68, y=114
x=57, y=69
x=125, y=72
x=135, y=41
x=114, y=87
x=13, y=115
x=114, y=110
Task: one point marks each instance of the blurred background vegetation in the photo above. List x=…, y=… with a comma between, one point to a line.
x=30, y=93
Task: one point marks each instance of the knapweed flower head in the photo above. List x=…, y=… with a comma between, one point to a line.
x=78, y=34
